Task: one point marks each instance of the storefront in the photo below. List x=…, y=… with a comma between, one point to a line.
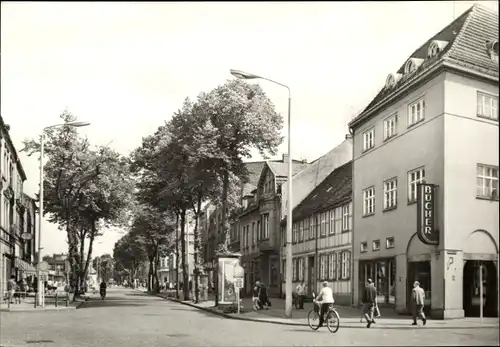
x=383, y=273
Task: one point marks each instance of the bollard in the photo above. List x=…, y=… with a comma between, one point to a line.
x=67, y=300
x=8, y=300
x=56, y=299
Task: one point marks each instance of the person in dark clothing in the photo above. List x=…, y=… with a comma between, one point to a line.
x=255, y=296
x=263, y=297
x=369, y=300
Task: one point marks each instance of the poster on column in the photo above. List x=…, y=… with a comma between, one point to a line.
x=226, y=291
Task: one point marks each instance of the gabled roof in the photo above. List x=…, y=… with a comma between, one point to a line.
x=334, y=190
x=467, y=37
x=13, y=149
x=280, y=169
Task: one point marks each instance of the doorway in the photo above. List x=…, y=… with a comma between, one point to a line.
x=471, y=289
x=311, y=276
x=421, y=272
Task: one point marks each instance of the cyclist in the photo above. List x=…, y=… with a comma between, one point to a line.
x=325, y=297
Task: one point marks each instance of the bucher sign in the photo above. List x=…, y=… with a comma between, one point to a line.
x=427, y=231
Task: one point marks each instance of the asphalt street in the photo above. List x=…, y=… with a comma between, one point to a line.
x=129, y=318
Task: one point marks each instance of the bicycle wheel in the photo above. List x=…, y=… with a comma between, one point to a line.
x=313, y=319
x=333, y=321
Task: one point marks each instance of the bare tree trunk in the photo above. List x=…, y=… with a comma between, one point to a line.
x=197, y=249
x=81, y=274
x=225, y=234
x=177, y=256
x=185, y=274
x=150, y=274
x=91, y=244
x=157, y=280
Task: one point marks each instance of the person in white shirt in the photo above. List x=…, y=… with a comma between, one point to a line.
x=325, y=297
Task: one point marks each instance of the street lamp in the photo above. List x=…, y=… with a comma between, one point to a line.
x=75, y=124
x=288, y=281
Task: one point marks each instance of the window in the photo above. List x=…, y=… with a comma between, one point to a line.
x=487, y=181
x=301, y=269
x=389, y=242
x=376, y=245
x=312, y=228
x=306, y=228
x=390, y=127
x=294, y=233
x=322, y=266
x=487, y=106
x=414, y=178
x=331, y=266
x=338, y=219
x=369, y=201
x=294, y=269
x=346, y=258
x=368, y=139
x=416, y=112
x=332, y=222
x=345, y=217
x=258, y=231
x=254, y=234
x=266, y=227
x=390, y=193
x=323, y=224
x=364, y=247
x=301, y=231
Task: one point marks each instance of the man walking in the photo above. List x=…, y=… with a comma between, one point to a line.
x=369, y=301
x=418, y=296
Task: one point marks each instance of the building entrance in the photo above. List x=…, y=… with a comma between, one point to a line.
x=471, y=288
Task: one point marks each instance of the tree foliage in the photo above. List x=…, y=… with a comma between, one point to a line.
x=86, y=189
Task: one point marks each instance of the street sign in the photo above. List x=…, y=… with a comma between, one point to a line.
x=43, y=266
x=238, y=282
x=26, y=236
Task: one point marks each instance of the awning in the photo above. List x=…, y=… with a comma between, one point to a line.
x=24, y=266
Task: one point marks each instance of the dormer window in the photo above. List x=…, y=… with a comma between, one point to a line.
x=435, y=47
x=391, y=80
x=412, y=64
x=492, y=47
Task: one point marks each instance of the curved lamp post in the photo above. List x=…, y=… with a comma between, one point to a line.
x=288, y=282
x=75, y=124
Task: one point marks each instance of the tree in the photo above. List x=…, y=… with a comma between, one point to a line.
x=153, y=231
x=243, y=118
x=104, y=266
x=86, y=189
x=128, y=254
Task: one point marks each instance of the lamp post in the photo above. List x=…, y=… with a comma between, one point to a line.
x=40, y=212
x=288, y=281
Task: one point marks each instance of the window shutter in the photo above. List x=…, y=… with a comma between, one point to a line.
x=303, y=267
x=334, y=266
x=348, y=275
x=339, y=265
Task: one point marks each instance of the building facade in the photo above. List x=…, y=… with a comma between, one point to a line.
x=259, y=225
x=434, y=122
x=17, y=215
x=322, y=237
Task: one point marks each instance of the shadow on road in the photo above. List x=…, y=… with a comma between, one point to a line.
x=110, y=302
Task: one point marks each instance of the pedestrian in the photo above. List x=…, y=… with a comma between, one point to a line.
x=255, y=296
x=418, y=296
x=264, y=297
x=301, y=289
x=369, y=300
x=11, y=288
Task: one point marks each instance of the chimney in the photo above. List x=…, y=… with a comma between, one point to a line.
x=285, y=158
x=348, y=137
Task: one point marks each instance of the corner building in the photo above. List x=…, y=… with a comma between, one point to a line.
x=435, y=122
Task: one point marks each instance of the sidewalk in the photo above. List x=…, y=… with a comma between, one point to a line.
x=28, y=305
x=349, y=316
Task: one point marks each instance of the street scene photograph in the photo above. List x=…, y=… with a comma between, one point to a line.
x=249, y=174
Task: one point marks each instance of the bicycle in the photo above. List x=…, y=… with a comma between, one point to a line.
x=332, y=318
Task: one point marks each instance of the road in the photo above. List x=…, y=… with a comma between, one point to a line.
x=129, y=318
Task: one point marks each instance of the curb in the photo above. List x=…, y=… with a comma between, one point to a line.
x=226, y=315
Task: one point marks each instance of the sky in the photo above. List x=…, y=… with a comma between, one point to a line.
x=127, y=66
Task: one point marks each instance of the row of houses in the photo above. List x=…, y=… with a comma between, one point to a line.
x=433, y=125
x=17, y=216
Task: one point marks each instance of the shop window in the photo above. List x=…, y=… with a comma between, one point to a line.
x=376, y=245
